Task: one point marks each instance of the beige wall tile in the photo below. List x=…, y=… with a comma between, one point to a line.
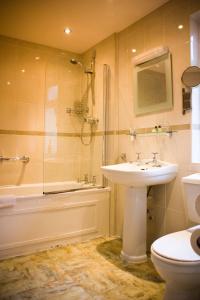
x=156, y=224
x=17, y=172
x=175, y=221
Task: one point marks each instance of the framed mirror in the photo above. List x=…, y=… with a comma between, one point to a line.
x=153, y=85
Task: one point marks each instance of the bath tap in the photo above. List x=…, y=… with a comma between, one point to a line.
x=85, y=180
x=93, y=180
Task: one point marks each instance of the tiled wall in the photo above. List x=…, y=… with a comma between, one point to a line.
x=159, y=28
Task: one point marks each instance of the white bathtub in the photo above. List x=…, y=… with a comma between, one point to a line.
x=36, y=222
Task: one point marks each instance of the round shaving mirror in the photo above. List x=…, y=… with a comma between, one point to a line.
x=191, y=76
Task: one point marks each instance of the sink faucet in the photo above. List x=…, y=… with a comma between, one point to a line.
x=154, y=160
x=123, y=157
x=138, y=160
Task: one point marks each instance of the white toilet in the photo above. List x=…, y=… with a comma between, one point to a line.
x=172, y=255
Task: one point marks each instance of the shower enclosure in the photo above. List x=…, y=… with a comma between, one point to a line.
x=74, y=125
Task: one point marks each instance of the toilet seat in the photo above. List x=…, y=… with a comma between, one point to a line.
x=176, y=247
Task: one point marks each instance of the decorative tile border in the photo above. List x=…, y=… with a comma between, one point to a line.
x=21, y=132
x=97, y=133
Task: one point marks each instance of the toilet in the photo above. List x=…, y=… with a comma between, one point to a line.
x=172, y=255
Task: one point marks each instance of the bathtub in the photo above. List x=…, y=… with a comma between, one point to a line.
x=37, y=221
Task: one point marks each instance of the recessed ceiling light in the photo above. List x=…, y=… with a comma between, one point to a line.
x=8, y=83
x=180, y=26
x=23, y=71
x=67, y=30
x=133, y=50
x=37, y=58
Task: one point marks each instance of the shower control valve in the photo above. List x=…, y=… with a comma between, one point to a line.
x=68, y=110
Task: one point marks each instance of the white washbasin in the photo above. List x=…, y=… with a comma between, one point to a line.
x=142, y=174
x=136, y=177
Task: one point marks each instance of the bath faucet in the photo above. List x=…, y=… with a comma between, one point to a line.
x=93, y=180
x=85, y=180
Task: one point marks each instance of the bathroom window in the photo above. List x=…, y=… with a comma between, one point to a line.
x=195, y=61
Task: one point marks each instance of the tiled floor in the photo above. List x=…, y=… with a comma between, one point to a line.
x=92, y=270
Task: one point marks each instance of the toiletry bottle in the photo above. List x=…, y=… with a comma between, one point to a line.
x=155, y=129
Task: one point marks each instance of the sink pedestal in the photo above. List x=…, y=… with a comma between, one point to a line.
x=134, y=229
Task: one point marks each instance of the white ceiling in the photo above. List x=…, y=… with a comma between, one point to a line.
x=91, y=21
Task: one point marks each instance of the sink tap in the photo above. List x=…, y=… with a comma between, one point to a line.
x=123, y=157
x=154, y=160
x=138, y=160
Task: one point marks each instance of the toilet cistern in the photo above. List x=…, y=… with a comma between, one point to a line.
x=136, y=177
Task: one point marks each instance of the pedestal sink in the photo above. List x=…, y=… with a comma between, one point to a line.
x=137, y=176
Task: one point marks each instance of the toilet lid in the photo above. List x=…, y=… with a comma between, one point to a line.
x=176, y=246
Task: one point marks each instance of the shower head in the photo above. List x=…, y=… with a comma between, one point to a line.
x=75, y=62
x=88, y=70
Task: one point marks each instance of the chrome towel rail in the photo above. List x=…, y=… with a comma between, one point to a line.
x=24, y=159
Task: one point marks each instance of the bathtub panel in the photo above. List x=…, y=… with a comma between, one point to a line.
x=42, y=222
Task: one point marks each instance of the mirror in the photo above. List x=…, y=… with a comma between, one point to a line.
x=153, y=85
x=191, y=76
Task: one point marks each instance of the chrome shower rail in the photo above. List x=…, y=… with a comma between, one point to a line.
x=24, y=159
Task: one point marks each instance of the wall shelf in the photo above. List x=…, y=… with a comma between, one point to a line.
x=169, y=133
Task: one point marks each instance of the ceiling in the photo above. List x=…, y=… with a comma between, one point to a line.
x=91, y=21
